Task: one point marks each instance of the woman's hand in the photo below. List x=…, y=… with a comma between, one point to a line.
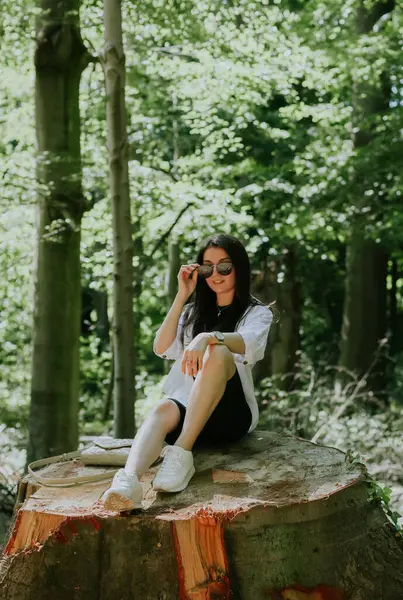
x=187, y=279
x=192, y=360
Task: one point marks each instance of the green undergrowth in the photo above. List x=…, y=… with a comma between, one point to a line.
x=378, y=494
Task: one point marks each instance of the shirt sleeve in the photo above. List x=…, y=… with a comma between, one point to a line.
x=175, y=350
x=254, y=329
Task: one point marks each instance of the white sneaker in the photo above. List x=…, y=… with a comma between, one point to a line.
x=125, y=492
x=176, y=470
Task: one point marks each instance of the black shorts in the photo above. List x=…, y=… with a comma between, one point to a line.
x=229, y=422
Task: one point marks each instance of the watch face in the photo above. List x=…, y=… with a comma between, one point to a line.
x=219, y=336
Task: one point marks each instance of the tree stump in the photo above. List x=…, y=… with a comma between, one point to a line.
x=274, y=517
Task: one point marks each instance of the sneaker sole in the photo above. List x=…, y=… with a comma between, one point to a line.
x=117, y=502
x=179, y=488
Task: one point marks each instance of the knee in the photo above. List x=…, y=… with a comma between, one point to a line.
x=166, y=410
x=218, y=357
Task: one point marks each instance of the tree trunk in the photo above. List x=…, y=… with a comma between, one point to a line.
x=393, y=318
x=174, y=263
x=171, y=287
x=364, y=314
x=364, y=324
x=273, y=517
x=114, y=67
x=95, y=300
x=284, y=339
x=60, y=58
x=264, y=287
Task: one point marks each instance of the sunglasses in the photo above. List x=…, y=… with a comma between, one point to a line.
x=206, y=271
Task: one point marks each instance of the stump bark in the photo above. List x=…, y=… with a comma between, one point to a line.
x=274, y=517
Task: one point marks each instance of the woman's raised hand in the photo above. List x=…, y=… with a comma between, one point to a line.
x=187, y=279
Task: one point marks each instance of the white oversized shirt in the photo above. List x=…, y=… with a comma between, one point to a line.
x=253, y=327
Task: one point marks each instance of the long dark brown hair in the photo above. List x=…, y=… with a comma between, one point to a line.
x=201, y=314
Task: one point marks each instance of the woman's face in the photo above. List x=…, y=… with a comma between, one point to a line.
x=220, y=284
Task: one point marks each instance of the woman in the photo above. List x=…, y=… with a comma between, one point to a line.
x=215, y=341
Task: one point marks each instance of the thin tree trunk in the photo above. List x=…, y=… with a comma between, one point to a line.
x=393, y=320
x=114, y=67
x=60, y=58
x=109, y=389
x=285, y=338
x=364, y=324
x=173, y=269
x=138, y=248
x=171, y=286
x=364, y=315
x=264, y=287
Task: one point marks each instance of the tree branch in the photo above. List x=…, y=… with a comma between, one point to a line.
x=187, y=57
x=166, y=234
x=368, y=18
x=159, y=243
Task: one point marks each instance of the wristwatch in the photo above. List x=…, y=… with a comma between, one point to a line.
x=218, y=336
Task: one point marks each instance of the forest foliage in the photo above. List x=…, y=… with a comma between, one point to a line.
x=245, y=117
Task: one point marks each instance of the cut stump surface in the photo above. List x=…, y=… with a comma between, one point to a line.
x=273, y=517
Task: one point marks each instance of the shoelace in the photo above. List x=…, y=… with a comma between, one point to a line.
x=123, y=477
x=172, y=461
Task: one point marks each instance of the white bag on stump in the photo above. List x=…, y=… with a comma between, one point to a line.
x=103, y=451
x=107, y=451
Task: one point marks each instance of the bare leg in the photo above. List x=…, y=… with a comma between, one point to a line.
x=149, y=439
x=207, y=391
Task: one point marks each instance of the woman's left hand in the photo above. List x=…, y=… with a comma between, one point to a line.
x=192, y=360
